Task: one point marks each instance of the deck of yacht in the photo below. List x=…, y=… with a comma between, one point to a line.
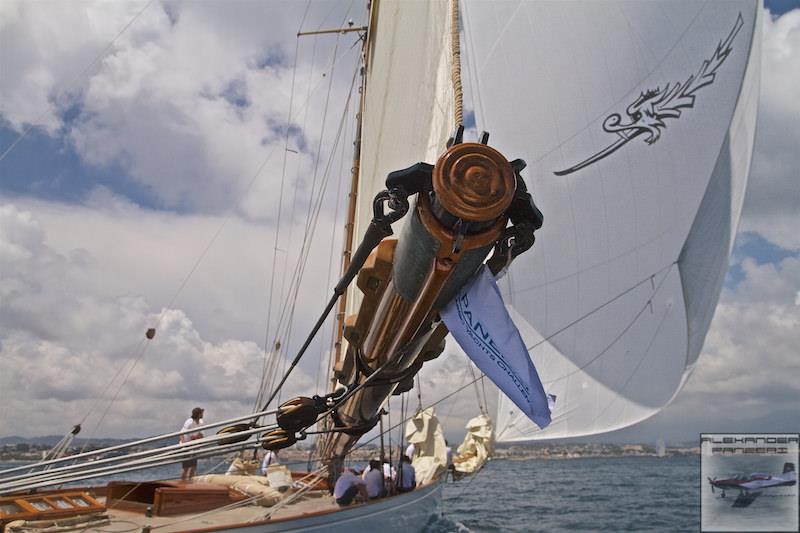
x=172, y=506
x=310, y=503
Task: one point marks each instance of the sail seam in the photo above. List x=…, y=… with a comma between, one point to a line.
x=647, y=304
x=612, y=300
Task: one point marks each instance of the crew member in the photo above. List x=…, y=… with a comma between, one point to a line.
x=410, y=449
x=194, y=421
x=406, y=476
x=374, y=480
x=348, y=486
x=270, y=458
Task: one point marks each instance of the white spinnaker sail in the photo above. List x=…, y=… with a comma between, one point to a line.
x=616, y=297
x=408, y=113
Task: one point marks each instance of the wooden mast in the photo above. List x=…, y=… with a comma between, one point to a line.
x=355, y=175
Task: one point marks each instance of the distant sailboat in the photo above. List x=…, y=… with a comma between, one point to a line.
x=614, y=300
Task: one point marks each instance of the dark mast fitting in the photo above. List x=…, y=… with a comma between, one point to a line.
x=461, y=212
x=463, y=206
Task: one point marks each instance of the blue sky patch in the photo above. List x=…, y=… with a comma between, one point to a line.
x=779, y=7
x=272, y=57
x=49, y=169
x=752, y=245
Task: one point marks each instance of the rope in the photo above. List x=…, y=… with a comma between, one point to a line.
x=621, y=333
x=315, y=476
x=407, y=418
x=477, y=390
x=140, y=442
x=483, y=388
x=455, y=73
x=419, y=393
x=468, y=483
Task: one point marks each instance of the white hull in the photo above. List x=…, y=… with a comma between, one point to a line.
x=405, y=513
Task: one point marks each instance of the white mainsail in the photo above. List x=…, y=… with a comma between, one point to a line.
x=408, y=113
x=615, y=299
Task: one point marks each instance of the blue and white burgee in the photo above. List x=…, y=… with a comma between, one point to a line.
x=480, y=323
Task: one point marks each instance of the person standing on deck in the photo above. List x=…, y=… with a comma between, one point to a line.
x=194, y=421
x=270, y=458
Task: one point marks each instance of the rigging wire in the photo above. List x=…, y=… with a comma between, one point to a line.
x=407, y=418
x=639, y=363
x=270, y=370
x=302, y=260
x=419, y=393
x=280, y=190
x=483, y=388
x=143, y=345
x=331, y=255
x=269, y=377
x=621, y=333
x=278, y=360
x=477, y=391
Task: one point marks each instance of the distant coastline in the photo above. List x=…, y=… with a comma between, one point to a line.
x=594, y=450
x=14, y=449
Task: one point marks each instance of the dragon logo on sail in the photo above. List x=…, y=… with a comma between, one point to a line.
x=647, y=113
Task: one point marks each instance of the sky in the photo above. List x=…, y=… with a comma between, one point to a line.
x=148, y=172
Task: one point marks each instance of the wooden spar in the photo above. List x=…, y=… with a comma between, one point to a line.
x=340, y=30
x=353, y=196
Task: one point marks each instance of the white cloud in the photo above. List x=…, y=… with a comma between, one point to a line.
x=746, y=377
x=67, y=325
x=773, y=197
x=189, y=101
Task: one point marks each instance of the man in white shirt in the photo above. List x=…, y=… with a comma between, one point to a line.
x=389, y=478
x=270, y=458
x=410, y=449
x=195, y=421
x=374, y=480
x=348, y=486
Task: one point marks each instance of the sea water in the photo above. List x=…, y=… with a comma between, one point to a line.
x=580, y=494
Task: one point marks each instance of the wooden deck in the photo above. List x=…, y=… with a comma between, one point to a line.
x=204, y=508
x=312, y=502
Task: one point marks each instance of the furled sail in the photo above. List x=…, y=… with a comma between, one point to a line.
x=477, y=447
x=425, y=432
x=638, y=134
